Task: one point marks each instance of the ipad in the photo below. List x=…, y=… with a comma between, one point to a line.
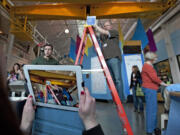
x=56, y=86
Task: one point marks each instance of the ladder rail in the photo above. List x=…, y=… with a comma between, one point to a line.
x=83, y=50
x=55, y=98
x=80, y=47
x=114, y=93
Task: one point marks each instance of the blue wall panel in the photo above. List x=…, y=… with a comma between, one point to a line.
x=87, y=65
x=173, y=127
x=175, y=39
x=161, y=50
x=50, y=121
x=124, y=77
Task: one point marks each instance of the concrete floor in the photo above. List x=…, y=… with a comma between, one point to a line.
x=108, y=118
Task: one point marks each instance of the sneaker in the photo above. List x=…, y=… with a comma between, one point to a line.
x=124, y=101
x=166, y=111
x=135, y=110
x=125, y=131
x=157, y=131
x=141, y=111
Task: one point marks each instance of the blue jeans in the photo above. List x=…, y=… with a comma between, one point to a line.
x=114, y=65
x=151, y=109
x=138, y=102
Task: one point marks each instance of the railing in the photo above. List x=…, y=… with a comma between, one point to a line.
x=22, y=25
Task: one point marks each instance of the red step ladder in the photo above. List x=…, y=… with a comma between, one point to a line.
x=49, y=88
x=116, y=99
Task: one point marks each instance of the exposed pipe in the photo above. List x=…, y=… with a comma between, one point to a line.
x=130, y=30
x=166, y=16
x=4, y=13
x=155, y=25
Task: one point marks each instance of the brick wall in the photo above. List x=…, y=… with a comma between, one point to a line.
x=20, y=56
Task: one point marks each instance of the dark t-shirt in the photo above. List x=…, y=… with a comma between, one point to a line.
x=42, y=61
x=110, y=45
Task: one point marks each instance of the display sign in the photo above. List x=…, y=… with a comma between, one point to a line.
x=131, y=60
x=91, y=20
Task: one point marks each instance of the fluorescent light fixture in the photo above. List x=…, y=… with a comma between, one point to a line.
x=66, y=31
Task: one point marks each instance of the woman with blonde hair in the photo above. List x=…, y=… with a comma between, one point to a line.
x=150, y=85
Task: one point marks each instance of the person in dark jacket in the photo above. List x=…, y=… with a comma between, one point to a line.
x=135, y=82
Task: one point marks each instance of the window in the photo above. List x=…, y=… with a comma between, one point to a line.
x=178, y=59
x=164, y=71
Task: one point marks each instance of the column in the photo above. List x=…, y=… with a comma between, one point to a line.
x=10, y=46
x=171, y=55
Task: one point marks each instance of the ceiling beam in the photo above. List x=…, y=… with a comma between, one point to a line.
x=51, y=11
x=64, y=11
x=127, y=9
x=70, y=1
x=51, y=75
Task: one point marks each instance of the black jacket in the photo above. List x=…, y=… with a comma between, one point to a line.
x=94, y=131
x=138, y=80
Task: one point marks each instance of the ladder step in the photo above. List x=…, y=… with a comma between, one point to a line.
x=89, y=71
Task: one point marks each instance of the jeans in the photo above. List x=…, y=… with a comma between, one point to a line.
x=151, y=109
x=114, y=65
x=138, y=101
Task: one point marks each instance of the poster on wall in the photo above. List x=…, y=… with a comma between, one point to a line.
x=131, y=60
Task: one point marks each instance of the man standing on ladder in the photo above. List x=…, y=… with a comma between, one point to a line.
x=112, y=54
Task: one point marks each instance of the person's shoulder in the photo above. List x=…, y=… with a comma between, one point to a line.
x=113, y=31
x=138, y=72
x=40, y=57
x=147, y=67
x=144, y=66
x=37, y=59
x=55, y=61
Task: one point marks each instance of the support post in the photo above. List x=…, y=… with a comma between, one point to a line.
x=10, y=46
x=171, y=55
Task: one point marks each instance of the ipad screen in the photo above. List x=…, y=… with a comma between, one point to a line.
x=54, y=87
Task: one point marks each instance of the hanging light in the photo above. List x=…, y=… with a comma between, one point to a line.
x=66, y=31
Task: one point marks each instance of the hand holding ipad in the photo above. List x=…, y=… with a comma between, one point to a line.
x=54, y=86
